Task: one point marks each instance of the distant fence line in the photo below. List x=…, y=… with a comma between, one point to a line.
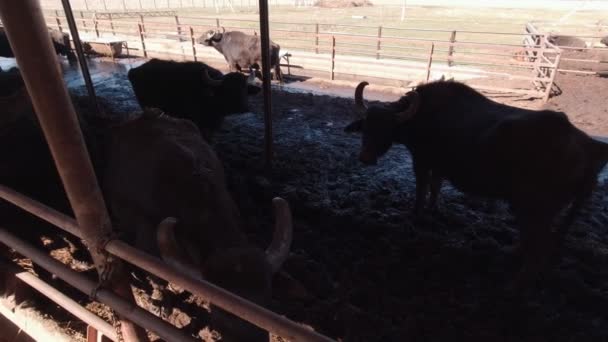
x=379, y=55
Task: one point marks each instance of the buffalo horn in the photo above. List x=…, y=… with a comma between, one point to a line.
x=208, y=80
x=171, y=252
x=223, y=30
x=413, y=99
x=278, y=250
x=359, y=104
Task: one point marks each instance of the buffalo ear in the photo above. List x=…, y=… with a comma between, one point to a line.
x=253, y=89
x=356, y=126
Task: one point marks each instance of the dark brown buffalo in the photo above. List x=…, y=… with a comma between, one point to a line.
x=604, y=41
x=242, y=51
x=537, y=161
x=165, y=186
x=192, y=90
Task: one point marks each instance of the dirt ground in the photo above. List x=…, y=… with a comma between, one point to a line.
x=373, y=272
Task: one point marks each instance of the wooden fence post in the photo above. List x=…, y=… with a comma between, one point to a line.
x=58, y=21
x=111, y=24
x=379, y=40
x=552, y=78
x=141, y=37
x=428, y=66
x=193, y=43
x=333, y=59
x=451, y=49
x=317, y=38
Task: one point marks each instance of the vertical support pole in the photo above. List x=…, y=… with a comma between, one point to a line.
x=428, y=65
x=142, y=40
x=96, y=25
x=124, y=6
x=265, y=41
x=84, y=22
x=178, y=28
x=105, y=6
x=333, y=59
x=111, y=24
x=217, y=22
x=58, y=21
x=86, y=5
x=451, y=48
x=193, y=41
x=59, y=123
x=317, y=38
x=378, y=45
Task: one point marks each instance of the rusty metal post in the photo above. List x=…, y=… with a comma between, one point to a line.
x=84, y=68
x=217, y=22
x=192, y=40
x=317, y=38
x=378, y=45
x=37, y=61
x=141, y=37
x=332, y=65
x=84, y=22
x=178, y=28
x=451, y=48
x=58, y=21
x=265, y=41
x=111, y=24
x=428, y=66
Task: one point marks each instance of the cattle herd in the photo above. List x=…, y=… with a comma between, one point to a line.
x=166, y=190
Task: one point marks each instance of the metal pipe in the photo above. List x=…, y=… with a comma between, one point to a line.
x=61, y=299
x=85, y=285
x=234, y=304
x=84, y=68
x=238, y=306
x=27, y=33
x=265, y=41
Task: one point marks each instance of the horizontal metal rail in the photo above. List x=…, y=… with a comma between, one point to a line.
x=89, y=287
x=234, y=304
x=60, y=299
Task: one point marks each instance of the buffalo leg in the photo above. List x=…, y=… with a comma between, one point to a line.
x=537, y=246
x=435, y=186
x=423, y=175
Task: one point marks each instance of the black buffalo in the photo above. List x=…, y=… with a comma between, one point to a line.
x=567, y=41
x=192, y=90
x=537, y=161
x=604, y=41
x=242, y=51
x=61, y=44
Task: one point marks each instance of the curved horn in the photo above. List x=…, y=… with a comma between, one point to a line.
x=223, y=30
x=413, y=99
x=360, y=105
x=171, y=252
x=210, y=81
x=278, y=250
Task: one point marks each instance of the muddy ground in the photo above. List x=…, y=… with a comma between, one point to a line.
x=375, y=273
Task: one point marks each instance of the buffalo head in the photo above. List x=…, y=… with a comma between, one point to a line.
x=212, y=36
x=233, y=88
x=245, y=270
x=379, y=123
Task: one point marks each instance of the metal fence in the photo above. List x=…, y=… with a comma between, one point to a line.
x=387, y=54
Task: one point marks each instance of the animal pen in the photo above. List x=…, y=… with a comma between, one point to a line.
x=384, y=55
x=59, y=123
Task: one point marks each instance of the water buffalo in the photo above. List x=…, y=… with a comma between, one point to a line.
x=567, y=41
x=242, y=51
x=61, y=43
x=192, y=90
x=604, y=41
x=536, y=161
x=161, y=173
